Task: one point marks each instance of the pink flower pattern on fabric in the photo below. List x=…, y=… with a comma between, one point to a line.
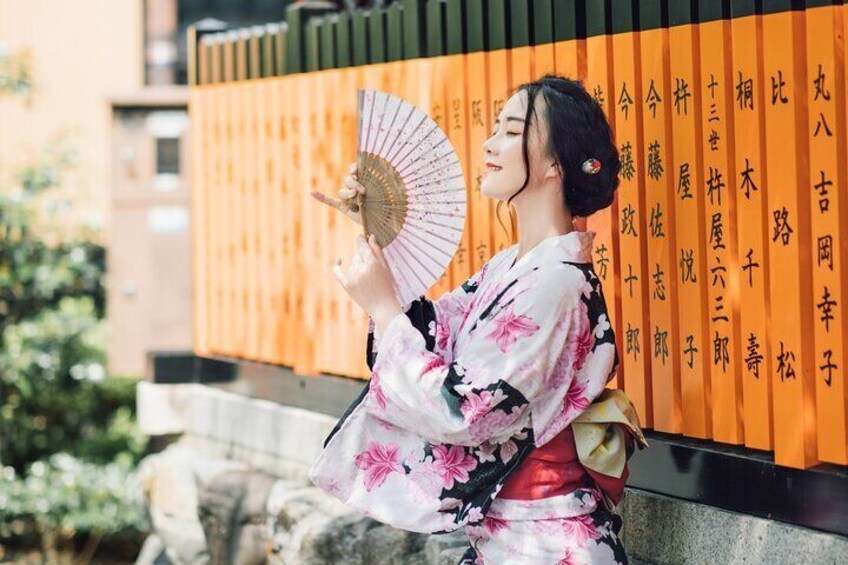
x=581, y=528
x=377, y=391
x=378, y=461
x=576, y=398
x=453, y=463
x=509, y=327
x=476, y=405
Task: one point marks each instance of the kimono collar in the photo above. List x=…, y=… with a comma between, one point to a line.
x=574, y=246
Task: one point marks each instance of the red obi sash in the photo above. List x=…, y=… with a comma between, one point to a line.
x=554, y=469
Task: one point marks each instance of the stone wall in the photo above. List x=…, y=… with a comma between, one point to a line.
x=232, y=488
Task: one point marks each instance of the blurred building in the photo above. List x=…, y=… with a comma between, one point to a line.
x=110, y=76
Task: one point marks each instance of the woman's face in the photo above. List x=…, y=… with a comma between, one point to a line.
x=504, y=170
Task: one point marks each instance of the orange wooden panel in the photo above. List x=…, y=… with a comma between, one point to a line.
x=499, y=83
x=277, y=165
x=457, y=128
x=567, y=58
x=438, y=109
x=790, y=248
x=521, y=66
x=223, y=167
x=720, y=207
x=253, y=168
x=691, y=280
x=287, y=100
x=599, y=83
x=480, y=127
x=543, y=60
x=659, y=230
x=352, y=332
x=753, y=228
x=826, y=131
x=237, y=339
x=633, y=252
x=200, y=134
x=319, y=252
x=310, y=250
x=300, y=101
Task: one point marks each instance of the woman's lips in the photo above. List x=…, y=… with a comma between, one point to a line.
x=490, y=168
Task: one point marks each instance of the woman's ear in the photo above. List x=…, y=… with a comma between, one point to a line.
x=554, y=170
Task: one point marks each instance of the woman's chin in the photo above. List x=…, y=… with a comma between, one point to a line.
x=491, y=192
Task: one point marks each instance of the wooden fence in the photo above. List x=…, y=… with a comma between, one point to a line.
x=723, y=257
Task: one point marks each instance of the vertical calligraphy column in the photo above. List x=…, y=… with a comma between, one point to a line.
x=790, y=277
x=479, y=128
x=598, y=80
x=826, y=131
x=692, y=415
x=438, y=106
x=457, y=120
x=498, y=60
x=631, y=198
x=752, y=223
x=662, y=334
x=720, y=208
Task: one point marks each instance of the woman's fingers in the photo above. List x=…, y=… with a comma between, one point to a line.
x=354, y=185
x=340, y=205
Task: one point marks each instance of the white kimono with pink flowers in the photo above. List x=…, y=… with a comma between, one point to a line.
x=462, y=390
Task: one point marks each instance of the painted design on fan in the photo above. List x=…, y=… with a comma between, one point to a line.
x=415, y=193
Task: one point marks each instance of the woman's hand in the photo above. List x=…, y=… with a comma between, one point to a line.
x=369, y=282
x=347, y=196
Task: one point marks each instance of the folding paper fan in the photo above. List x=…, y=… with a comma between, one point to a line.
x=414, y=201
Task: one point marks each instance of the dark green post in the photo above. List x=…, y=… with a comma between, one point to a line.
x=435, y=32
x=394, y=32
x=543, y=22
x=497, y=22
x=327, y=32
x=414, y=17
x=565, y=19
x=343, y=41
x=281, y=45
x=360, y=37
x=475, y=25
x=455, y=16
x=313, y=44
x=297, y=16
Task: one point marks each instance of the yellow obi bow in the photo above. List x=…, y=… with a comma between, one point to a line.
x=601, y=446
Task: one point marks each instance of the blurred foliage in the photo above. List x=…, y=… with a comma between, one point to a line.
x=69, y=443
x=64, y=498
x=54, y=393
x=15, y=72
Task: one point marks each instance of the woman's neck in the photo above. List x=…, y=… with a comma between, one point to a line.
x=540, y=216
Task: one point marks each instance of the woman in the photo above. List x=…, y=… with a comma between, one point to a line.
x=466, y=420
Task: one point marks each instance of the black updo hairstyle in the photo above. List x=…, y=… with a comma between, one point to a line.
x=578, y=130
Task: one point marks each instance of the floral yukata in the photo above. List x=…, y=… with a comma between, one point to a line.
x=463, y=389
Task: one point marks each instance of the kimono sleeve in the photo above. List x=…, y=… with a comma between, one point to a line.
x=483, y=394
x=437, y=320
